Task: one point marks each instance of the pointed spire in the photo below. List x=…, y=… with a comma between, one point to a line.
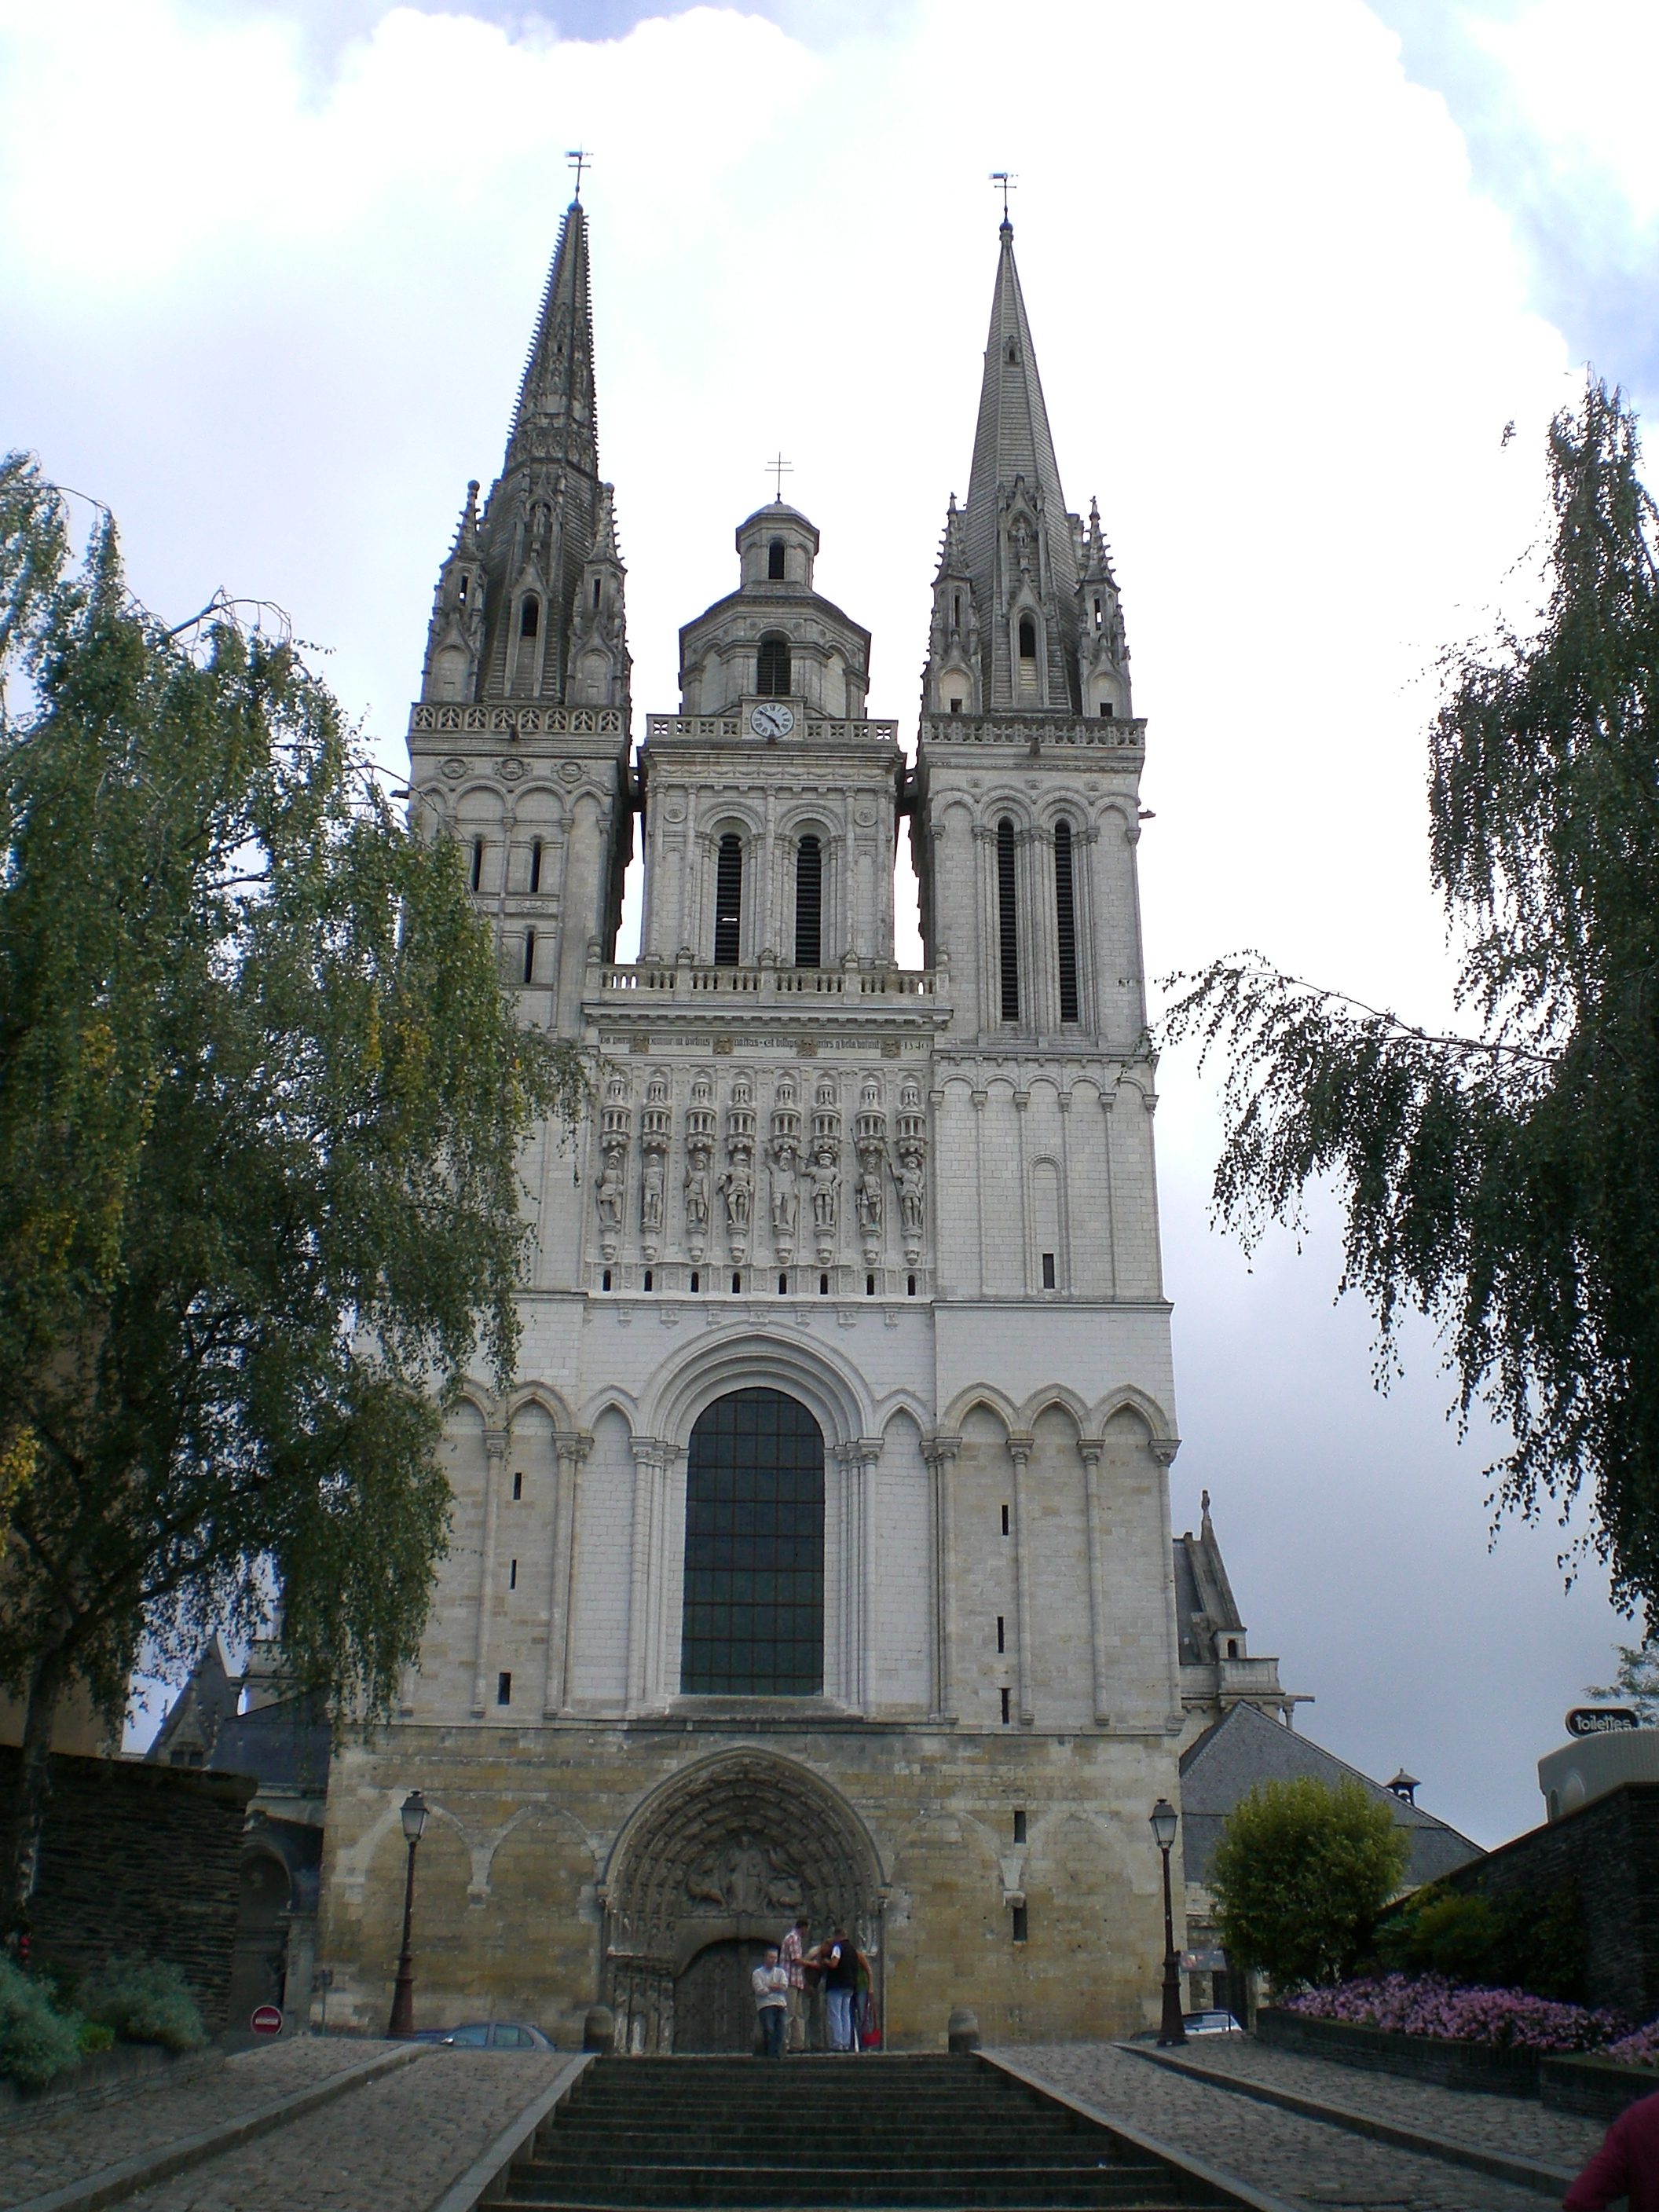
x=556, y=415
x=1012, y=436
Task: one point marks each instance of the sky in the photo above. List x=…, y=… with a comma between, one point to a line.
x=267, y=274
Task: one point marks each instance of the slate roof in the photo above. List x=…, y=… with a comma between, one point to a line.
x=1245, y=1747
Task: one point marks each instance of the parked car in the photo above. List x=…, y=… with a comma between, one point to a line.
x=498, y=2035
x=1211, y=2023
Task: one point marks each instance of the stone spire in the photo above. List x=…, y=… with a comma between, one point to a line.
x=1021, y=545
x=542, y=526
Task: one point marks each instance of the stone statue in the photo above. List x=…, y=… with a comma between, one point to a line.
x=612, y=1190
x=696, y=1194
x=737, y=1187
x=786, y=1198
x=651, y=1192
x=912, y=1193
x=826, y=1179
x=868, y=1198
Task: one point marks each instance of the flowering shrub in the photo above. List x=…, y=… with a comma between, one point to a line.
x=1641, y=2049
x=1509, y=2020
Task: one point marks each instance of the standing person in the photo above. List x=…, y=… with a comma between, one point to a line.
x=841, y=1981
x=1627, y=2164
x=770, y=1982
x=794, y=1963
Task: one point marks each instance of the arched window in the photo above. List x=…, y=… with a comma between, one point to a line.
x=1027, y=638
x=753, y=1619
x=530, y=617
x=1065, y=922
x=530, y=956
x=772, y=677
x=535, y=863
x=729, y=900
x=809, y=903
x=775, y=561
x=477, y=863
x=1007, y=922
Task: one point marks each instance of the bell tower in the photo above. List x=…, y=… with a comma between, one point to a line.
x=520, y=741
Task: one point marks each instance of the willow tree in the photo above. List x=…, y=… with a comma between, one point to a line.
x=262, y=1099
x=1504, y=1181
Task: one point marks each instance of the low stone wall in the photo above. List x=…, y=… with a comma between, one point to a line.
x=1596, y=2089
x=131, y=2069
x=1420, y=2058
x=139, y=1859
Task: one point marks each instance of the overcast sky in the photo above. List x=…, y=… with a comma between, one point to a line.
x=266, y=277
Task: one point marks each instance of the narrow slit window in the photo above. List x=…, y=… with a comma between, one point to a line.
x=1006, y=1715
x=1048, y=1271
x=1021, y=1924
x=809, y=903
x=596, y=591
x=536, y=865
x=518, y=1482
x=477, y=863
x=729, y=900
x=504, y=1689
x=823, y=1286
x=1007, y=922
x=737, y=1282
x=955, y=610
x=650, y=1281
x=696, y=1282
x=530, y=956
x=772, y=675
x=869, y=1286
x=783, y=1283
x=513, y=1574
x=1065, y=924
x=909, y=1286
x=1002, y=1633
x=605, y=1280
x=1027, y=638
x=775, y=561
x=1005, y=1519
x=1019, y=1824
x=530, y=617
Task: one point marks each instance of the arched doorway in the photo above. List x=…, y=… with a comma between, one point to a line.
x=715, y=1865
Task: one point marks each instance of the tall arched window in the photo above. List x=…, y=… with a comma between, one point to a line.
x=753, y=1619
x=1065, y=922
x=535, y=863
x=772, y=677
x=729, y=900
x=530, y=617
x=530, y=956
x=809, y=903
x=775, y=561
x=1027, y=638
x=1007, y=922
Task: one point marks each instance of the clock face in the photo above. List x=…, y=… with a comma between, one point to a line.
x=771, y=719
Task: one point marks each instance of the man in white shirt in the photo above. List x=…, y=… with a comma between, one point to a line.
x=770, y=1982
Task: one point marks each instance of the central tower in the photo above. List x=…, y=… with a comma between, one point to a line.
x=819, y=1560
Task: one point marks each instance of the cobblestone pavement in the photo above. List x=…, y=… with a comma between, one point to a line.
x=394, y=2147
x=68, y=2145
x=1520, y=2127
x=1305, y=2161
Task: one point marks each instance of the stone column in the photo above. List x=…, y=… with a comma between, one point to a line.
x=572, y=1447
x=1091, y=1448
x=854, y=1460
x=1067, y=1281
x=941, y=1453
x=647, y=1469
x=494, y=1454
x=1019, y=1451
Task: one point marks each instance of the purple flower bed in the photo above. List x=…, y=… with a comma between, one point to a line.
x=1509, y=2020
x=1641, y=2049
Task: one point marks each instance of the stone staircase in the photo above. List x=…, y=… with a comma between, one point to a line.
x=667, y=2134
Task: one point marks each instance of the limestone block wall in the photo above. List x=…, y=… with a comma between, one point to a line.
x=527, y=1831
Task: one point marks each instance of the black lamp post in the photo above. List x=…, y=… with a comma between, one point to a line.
x=1172, y=2028
x=413, y=1815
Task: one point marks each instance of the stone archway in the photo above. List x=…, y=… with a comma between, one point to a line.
x=717, y=1862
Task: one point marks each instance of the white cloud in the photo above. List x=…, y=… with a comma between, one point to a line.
x=275, y=316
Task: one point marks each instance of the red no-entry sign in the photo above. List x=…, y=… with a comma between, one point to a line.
x=266, y=2019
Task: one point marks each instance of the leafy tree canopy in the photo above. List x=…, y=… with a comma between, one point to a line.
x=1505, y=1182
x=261, y=1097
x=1301, y=1872
x=1636, y=1683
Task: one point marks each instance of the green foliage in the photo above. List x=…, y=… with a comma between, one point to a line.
x=1300, y=1874
x=37, y=2041
x=94, y=2039
x=1636, y=1683
x=143, y=2001
x=263, y=1096
x=1533, y=1940
x=1506, y=1183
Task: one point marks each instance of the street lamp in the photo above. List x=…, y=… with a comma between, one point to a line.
x=413, y=1815
x=1172, y=2028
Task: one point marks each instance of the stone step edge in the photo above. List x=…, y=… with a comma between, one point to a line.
x=488, y=2173
x=112, y=2183
x=1497, y=2166
x=1243, y=2194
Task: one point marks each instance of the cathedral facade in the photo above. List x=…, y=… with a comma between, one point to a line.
x=819, y=1561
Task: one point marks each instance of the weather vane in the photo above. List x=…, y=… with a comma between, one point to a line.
x=1006, y=178
x=780, y=468
x=578, y=159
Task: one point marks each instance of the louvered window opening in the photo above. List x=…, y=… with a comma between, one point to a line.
x=809, y=905
x=772, y=677
x=775, y=561
x=753, y=1619
x=1007, y=922
x=728, y=902
x=1065, y=922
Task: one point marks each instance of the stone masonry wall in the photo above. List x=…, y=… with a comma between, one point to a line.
x=1609, y=1850
x=139, y=1859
